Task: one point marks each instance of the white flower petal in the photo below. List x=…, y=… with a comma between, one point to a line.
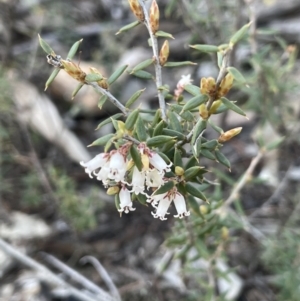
x=125, y=201
x=159, y=163
x=95, y=163
x=118, y=167
x=162, y=208
x=180, y=205
x=154, y=179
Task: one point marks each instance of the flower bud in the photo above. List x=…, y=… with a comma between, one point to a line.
x=224, y=233
x=203, y=111
x=229, y=134
x=179, y=171
x=226, y=85
x=164, y=53
x=73, y=70
x=203, y=209
x=113, y=190
x=137, y=9
x=208, y=85
x=215, y=106
x=154, y=17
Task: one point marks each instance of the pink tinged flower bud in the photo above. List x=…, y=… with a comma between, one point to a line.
x=125, y=201
x=159, y=163
x=94, y=164
x=138, y=181
x=180, y=205
x=185, y=80
x=117, y=167
x=162, y=208
x=154, y=179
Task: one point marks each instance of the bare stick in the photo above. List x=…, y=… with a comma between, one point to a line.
x=76, y=276
x=111, y=98
x=247, y=175
x=157, y=66
x=104, y=275
x=48, y=276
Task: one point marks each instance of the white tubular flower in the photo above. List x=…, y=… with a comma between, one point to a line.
x=163, y=206
x=117, y=167
x=94, y=164
x=102, y=175
x=154, y=179
x=159, y=163
x=125, y=201
x=180, y=205
x=138, y=181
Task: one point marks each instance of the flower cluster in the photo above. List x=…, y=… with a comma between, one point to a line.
x=115, y=169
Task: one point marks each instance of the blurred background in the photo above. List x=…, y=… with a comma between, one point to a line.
x=47, y=202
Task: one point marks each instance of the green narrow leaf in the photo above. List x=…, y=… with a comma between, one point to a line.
x=211, y=145
x=142, y=65
x=117, y=201
x=174, y=122
x=165, y=188
x=199, y=128
x=142, y=74
x=46, y=47
x=103, y=140
x=188, y=116
x=237, y=75
x=173, y=133
x=275, y=143
x=51, y=78
x=196, y=148
x=193, y=204
x=134, y=97
x=216, y=128
x=159, y=128
x=79, y=86
x=191, y=162
x=222, y=159
x=231, y=106
x=205, y=48
x=74, y=49
x=131, y=119
x=221, y=109
x=102, y=101
x=141, y=129
x=142, y=199
x=192, y=172
x=240, y=34
x=178, y=158
x=192, y=89
x=93, y=77
x=128, y=27
x=208, y=154
x=220, y=57
x=163, y=34
x=108, y=120
x=179, y=64
x=159, y=140
x=136, y=157
x=116, y=74
x=156, y=118
x=194, y=191
x=194, y=102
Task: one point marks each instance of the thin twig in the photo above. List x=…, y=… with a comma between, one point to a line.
x=104, y=275
x=76, y=276
x=111, y=98
x=247, y=175
x=157, y=66
x=48, y=276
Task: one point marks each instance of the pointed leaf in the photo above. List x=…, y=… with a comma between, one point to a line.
x=74, y=49
x=216, y=128
x=231, y=106
x=116, y=74
x=46, y=47
x=208, y=154
x=194, y=191
x=178, y=158
x=192, y=89
x=128, y=27
x=211, y=145
x=159, y=128
x=198, y=129
x=103, y=140
x=159, y=140
x=134, y=97
x=141, y=129
x=165, y=188
x=51, y=78
x=192, y=172
x=142, y=199
x=142, y=65
x=179, y=64
x=131, y=119
x=222, y=159
x=108, y=120
x=174, y=122
x=102, y=101
x=237, y=75
x=240, y=34
x=195, y=102
x=173, y=133
x=136, y=157
x=163, y=34
x=205, y=48
x=79, y=86
x=93, y=77
x=143, y=74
